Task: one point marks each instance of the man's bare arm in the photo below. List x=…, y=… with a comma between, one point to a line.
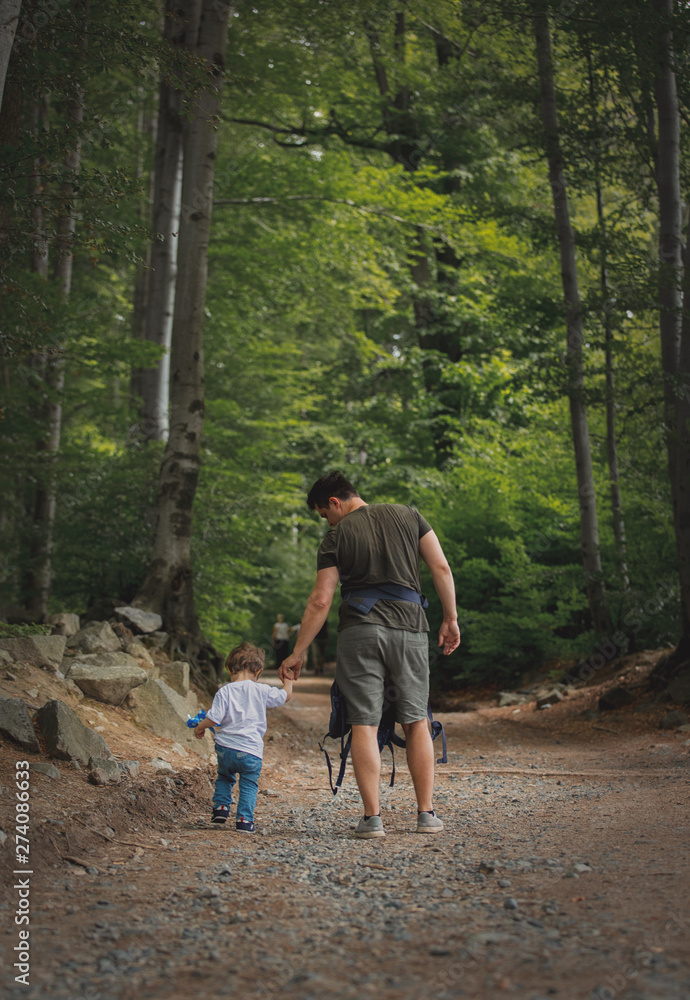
x=315, y=614
x=431, y=552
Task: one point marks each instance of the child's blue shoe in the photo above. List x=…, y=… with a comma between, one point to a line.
x=245, y=826
x=220, y=814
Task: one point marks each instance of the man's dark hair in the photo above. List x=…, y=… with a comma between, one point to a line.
x=333, y=484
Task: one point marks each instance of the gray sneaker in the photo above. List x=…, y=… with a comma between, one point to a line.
x=367, y=829
x=428, y=822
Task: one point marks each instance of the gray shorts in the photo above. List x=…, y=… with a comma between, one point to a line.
x=377, y=665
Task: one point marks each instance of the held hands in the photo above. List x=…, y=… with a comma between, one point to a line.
x=291, y=667
x=449, y=636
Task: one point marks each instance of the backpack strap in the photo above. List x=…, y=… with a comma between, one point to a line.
x=344, y=751
x=438, y=730
x=364, y=598
x=389, y=744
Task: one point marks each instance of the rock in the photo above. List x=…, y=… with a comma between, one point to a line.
x=16, y=723
x=491, y=937
x=106, y=771
x=106, y=677
x=96, y=637
x=130, y=767
x=549, y=698
x=580, y=868
x=156, y=640
x=617, y=697
x=139, y=651
x=176, y=675
x=674, y=719
x=67, y=736
x=70, y=685
x=43, y=651
x=489, y=867
x=143, y=621
x=158, y=764
x=124, y=634
x=5, y=658
x=44, y=768
x=510, y=903
x=507, y=698
x=162, y=710
x=679, y=688
x=64, y=624
x=3, y=838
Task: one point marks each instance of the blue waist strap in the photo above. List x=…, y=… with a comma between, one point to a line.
x=364, y=598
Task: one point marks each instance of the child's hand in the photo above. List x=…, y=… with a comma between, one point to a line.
x=199, y=732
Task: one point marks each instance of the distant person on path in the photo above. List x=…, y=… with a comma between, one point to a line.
x=239, y=714
x=280, y=640
x=373, y=550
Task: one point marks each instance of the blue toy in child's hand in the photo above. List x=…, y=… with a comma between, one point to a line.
x=199, y=717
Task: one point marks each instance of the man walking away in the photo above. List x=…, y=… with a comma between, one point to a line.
x=373, y=550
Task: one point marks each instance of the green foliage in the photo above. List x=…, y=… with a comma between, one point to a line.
x=327, y=343
x=21, y=631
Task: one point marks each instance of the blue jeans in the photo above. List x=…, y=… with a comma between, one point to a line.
x=248, y=767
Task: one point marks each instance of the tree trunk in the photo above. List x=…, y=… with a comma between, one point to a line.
x=670, y=223
x=168, y=588
x=179, y=29
x=52, y=375
x=39, y=250
x=589, y=530
x=682, y=653
x=146, y=129
x=9, y=19
x=611, y=445
x=674, y=324
x=612, y=448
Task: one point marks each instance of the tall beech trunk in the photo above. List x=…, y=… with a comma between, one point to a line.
x=179, y=29
x=146, y=129
x=617, y=515
x=168, y=588
x=37, y=582
x=674, y=323
x=589, y=529
x=670, y=226
x=683, y=475
x=611, y=445
x=9, y=19
x=39, y=250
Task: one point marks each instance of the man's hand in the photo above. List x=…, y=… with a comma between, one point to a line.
x=291, y=667
x=449, y=636
x=199, y=732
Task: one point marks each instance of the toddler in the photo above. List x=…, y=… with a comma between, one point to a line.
x=238, y=714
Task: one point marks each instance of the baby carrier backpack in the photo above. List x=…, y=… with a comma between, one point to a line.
x=338, y=728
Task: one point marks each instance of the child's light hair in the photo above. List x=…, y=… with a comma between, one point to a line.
x=245, y=657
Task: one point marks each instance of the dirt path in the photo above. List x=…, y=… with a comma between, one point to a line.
x=562, y=871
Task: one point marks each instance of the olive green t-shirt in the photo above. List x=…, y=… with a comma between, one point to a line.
x=378, y=544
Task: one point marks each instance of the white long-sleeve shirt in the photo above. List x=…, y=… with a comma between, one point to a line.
x=239, y=713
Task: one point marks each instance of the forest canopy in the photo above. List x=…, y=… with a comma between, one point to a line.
x=437, y=246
